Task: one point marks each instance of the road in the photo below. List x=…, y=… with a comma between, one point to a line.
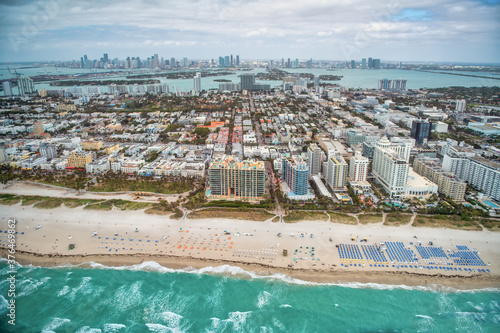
x=258, y=132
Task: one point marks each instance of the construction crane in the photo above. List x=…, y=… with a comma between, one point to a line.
x=16, y=74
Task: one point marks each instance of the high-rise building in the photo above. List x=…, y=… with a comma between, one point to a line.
x=336, y=172
x=421, y=130
x=363, y=63
x=370, y=63
x=316, y=81
x=460, y=106
x=48, y=151
x=479, y=172
x=353, y=64
x=172, y=62
x=314, y=159
x=288, y=64
x=247, y=81
x=185, y=62
x=358, y=167
x=384, y=84
x=237, y=60
x=376, y=63
x=25, y=86
x=399, y=84
x=226, y=61
x=237, y=180
x=155, y=62
x=296, y=175
x=7, y=88
x=197, y=82
x=448, y=183
x=232, y=62
x=390, y=169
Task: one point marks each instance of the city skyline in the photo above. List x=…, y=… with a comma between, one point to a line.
x=438, y=31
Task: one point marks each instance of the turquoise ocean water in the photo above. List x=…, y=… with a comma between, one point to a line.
x=151, y=298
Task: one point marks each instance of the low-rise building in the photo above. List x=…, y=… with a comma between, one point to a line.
x=91, y=145
x=33, y=162
x=418, y=186
x=99, y=166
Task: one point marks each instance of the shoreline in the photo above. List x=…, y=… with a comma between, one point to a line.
x=436, y=282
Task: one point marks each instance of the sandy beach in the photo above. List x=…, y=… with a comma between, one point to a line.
x=132, y=237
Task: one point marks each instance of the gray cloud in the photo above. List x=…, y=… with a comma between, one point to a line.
x=333, y=29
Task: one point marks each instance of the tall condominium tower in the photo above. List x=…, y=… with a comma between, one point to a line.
x=25, y=85
x=229, y=178
x=314, y=159
x=197, y=82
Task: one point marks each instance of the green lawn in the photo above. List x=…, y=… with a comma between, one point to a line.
x=9, y=199
x=370, y=218
x=49, y=203
x=303, y=215
x=143, y=185
x=342, y=218
x=397, y=218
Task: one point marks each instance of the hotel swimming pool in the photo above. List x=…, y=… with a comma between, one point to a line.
x=491, y=204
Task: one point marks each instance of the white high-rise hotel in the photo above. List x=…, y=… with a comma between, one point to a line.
x=390, y=166
x=358, y=167
x=314, y=160
x=197, y=82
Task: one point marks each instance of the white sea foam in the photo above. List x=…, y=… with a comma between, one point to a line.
x=494, y=306
x=214, y=299
x=424, y=317
x=29, y=286
x=263, y=299
x=216, y=323
x=157, y=328
x=128, y=296
x=148, y=266
x=88, y=329
x=228, y=270
x=65, y=290
x=84, y=288
x=238, y=319
x=285, y=306
x=465, y=321
x=172, y=320
x=279, y=325
x=114, y=328
x=477, y=307
x=55, y=324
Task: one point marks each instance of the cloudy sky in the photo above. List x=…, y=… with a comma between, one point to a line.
x=399, y=30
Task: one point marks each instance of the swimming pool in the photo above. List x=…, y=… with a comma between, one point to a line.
x=491, y=204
